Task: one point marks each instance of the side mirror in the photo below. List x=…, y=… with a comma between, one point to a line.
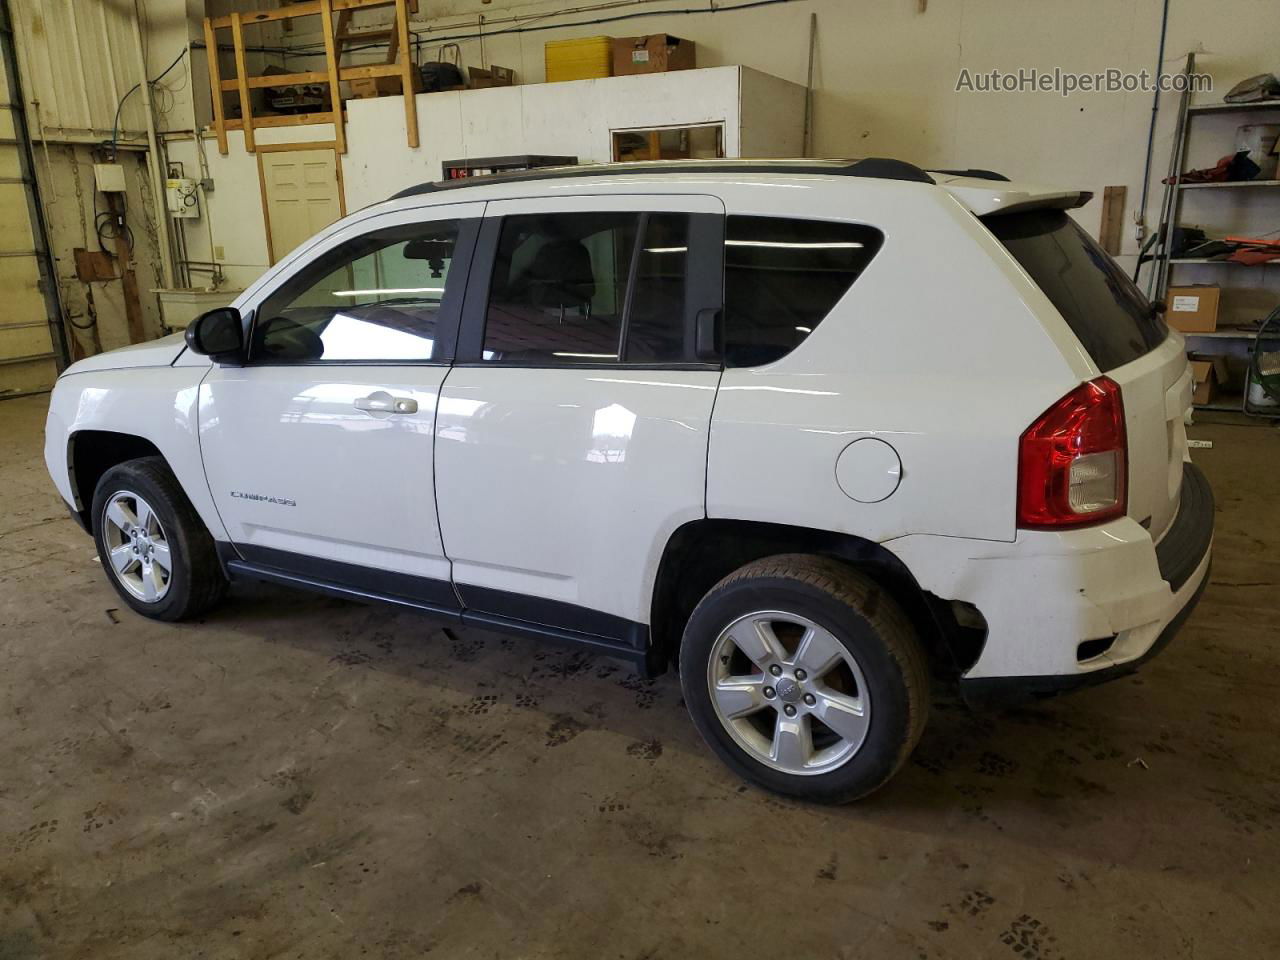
x=218, y=334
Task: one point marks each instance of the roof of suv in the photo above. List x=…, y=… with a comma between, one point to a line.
x=983, y=192
x=880, y=168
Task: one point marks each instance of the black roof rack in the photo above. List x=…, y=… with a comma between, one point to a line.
x=977, y=174
x=876, y=167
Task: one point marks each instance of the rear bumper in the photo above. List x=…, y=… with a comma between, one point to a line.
x=1108, y=588
x=990, y=691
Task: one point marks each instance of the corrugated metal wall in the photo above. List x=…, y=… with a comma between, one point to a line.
x=28, y=362
x=78, y=59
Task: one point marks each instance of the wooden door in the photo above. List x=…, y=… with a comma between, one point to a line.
x=301, y=195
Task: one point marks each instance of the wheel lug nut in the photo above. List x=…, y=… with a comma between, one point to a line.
x=769, y=693
x=789, y=710
x=776, y=670
x=800, y=674
x=810, y=699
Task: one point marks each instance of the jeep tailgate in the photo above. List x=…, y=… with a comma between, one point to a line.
x=1130, y=344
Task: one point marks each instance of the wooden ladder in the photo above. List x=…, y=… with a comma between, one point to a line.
x=337, y=36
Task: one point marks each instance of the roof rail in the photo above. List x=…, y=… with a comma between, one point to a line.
x=977, y=173
x=880, y=168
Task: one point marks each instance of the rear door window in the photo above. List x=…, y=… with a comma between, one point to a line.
x=782, y=277
x=589, y=288
x=1104, y=308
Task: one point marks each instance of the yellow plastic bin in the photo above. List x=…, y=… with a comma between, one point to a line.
x=583, y=59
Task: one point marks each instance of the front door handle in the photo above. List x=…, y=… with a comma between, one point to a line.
x=382, y=402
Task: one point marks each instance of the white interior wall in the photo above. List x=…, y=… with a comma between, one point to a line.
x=232, y=211
x=885, y=78
x=885, y=73
x=573, y=119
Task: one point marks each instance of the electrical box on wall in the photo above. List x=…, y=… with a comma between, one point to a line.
x=181, y=198
x=108, y=177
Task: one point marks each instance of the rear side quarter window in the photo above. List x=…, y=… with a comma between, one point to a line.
x=1106, y=311
x=782, y=276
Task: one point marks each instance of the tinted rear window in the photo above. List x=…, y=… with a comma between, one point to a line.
x=1106, y=311
x=782, y=277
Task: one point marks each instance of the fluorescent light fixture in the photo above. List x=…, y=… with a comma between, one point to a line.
x=666, y=249
x=378, y=293
x=586, y=356
x=805, y=329
x=788, y=245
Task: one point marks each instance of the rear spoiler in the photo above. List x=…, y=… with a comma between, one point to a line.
x=985, y=197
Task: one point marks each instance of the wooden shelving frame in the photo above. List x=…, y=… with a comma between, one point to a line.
x=334, y=31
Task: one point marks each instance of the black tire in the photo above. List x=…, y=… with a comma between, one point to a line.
x=195, y=581
x=859, y=615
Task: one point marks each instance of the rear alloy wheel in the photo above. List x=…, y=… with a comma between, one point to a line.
x=805, y=677
x=804, y=712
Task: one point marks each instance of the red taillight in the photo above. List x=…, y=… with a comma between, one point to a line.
x=1072, y=464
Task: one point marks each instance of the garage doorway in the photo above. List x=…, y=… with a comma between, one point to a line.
x=301, y=193
x=30, y=335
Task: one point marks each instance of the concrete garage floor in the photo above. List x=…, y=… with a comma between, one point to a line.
x=301, y=777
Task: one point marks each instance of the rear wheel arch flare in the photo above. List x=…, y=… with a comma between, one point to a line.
x=702, y=552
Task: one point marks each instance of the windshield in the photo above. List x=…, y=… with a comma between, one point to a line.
x=1103, y=307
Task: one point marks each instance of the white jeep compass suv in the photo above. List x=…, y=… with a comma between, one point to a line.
x=813, y=431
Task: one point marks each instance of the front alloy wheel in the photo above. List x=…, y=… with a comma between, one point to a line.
x=137, y=546
x=156, y=551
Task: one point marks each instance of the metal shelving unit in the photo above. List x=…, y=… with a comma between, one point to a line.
x=1226, y=341
x=1232, y=107
x=1230, y=183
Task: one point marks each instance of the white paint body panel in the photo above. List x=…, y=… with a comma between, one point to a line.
x=155, y=403
x=566, y=483
x=869, y=470
x=358, y=488
x=153, y=353
x=1046, y=592
x=907, y=355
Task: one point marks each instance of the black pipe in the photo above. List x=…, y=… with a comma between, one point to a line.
x=1151, y=130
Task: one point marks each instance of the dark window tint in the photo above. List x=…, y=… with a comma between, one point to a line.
x=561, y=291
x=782, y=277
x=655, y=325
x=1103, y=307
x=375, y=298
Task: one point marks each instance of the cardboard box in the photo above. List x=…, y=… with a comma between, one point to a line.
x=366, y=87
x=493, y=77
x=1192, y=309
x=1205, y=374
x=657, y=53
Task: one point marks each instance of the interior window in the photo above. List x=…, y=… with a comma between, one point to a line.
x=782, y=277
x=560, y=290
x=375, y=298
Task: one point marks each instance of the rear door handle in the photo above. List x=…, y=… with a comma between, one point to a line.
x=382, y=402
